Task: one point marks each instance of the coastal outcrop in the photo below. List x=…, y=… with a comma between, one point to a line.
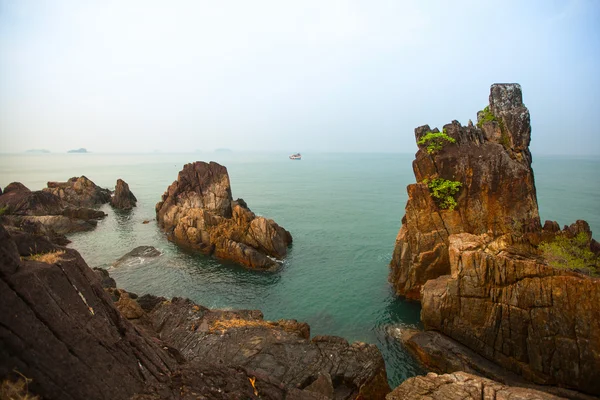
x=139, y=255
x=44, y=212
x=123, y=199
x=462, y=386
x=60, y=325
x=79, y=191
x=198, y=212
x=472, y=249
x=497, y=193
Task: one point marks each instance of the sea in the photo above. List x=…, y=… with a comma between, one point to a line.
x=343, y=211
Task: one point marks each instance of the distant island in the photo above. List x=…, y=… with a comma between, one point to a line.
x=37, y=151
x=81, y=150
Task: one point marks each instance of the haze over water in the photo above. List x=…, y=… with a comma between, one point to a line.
x=343, y=211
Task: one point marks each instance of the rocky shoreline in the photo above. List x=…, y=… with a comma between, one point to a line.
x=500, y=321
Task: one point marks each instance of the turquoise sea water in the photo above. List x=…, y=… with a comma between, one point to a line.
x=343, y=210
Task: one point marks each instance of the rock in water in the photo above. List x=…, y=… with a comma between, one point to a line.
x=123, y=198
x=198, y=212
x=80, y=192
x=492, y=162
x=137, y=256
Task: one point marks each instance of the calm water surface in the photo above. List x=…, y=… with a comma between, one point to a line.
x=343, y=210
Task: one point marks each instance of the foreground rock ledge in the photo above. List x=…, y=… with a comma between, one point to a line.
x=462, y=386
x=76, y=340
x=198, y=212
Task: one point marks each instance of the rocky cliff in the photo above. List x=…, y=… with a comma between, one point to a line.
x=537, y=321
x=74, y=339
x=198, y=212
x=469, y=249
x=492, y=163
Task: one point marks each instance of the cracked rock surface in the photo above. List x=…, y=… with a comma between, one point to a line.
x=198, y=212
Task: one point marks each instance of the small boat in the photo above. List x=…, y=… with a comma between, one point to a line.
x=296, y=156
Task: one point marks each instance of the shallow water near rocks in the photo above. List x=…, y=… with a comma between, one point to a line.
x=343, y=210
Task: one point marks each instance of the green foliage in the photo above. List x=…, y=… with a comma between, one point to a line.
x=571, y=253
x=3, y=210
x=435, y=141
x=487, y=117
x=443, y=191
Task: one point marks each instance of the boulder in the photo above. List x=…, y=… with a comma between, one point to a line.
x=492, y=162
x=462, y=386
x=123, y=199
x=137, y=256
x=198, y=212
x=80, y=192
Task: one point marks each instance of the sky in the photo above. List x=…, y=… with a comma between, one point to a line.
x=293, y=76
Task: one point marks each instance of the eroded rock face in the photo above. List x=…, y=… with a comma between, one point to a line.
x=123, y=199
x=80, y=191
x=59, y=328
x=493, y=165
x=198, y=212
x=462, y=386
x=539, y=322
x=281, y=350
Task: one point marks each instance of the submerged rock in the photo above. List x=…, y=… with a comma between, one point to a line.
x=198, y=212
x=462, y=386
x=123, y=198
x=80, y=191
x=137, y=256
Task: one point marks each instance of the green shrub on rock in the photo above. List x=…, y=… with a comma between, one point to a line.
x=443, y=191
x=571, y=253
x=486, y=116
x=435, y=141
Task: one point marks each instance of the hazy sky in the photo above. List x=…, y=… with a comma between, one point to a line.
x=121, y=76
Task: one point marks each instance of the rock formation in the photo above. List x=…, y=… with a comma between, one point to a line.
x=80, y=192
x=137, y=256
x=493, y=165
x=50, y=215
x=59, y=327
x=462, y=386
x=476, y=263
x=123, y=198
x=539, y=322
x=197, y=212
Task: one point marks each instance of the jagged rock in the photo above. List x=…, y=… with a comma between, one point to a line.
x=281, y=350
x=439, y=353
x=462, y=386
x=105, y=279
x=498, y=195
x=80, y=191
x=59, y=328
x=45, y=209
x=137, y=256
x=128, y=307
x=198, y=212
x=123, y=198
x=537, y=321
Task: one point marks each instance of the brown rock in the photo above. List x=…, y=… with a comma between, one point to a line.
x=493, y=164
x=539, y=322
x=198, y=212
x=123, y=198
x=80, y=192
x=129, y=308
x=462, y=386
